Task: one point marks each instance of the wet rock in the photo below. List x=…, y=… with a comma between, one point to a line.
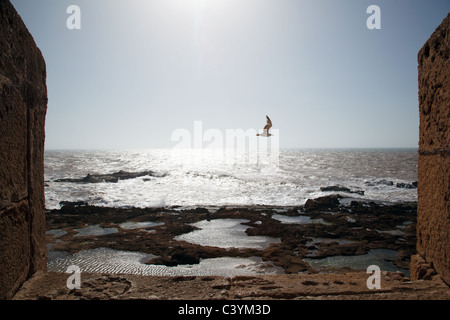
x=175, y=260
x=280, y=255
x=335, y=249
x=73, y=203
x=113, y=177
x=379, y=182
x=341, y=189
x=361, y=207
x=407, y=185
x=185, y=258
x=327, y=202
x=180, y=255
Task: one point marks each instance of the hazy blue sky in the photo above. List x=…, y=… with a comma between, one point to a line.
x=139, y=69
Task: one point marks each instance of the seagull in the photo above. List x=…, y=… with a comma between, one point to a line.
x=266, y=128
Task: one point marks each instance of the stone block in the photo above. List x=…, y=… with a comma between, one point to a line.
x=433, y=211
x=23, y=106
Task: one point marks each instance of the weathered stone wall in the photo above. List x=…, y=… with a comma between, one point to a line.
x=433, y=220
x=23, y=105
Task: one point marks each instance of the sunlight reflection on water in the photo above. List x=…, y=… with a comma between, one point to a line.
x=225, y=233
x=298, y=177
x=105, y=260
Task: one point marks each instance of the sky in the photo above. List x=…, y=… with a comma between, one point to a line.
x=138, y=70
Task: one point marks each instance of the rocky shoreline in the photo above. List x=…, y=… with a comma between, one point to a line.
x=312, y=231
x=309, y=232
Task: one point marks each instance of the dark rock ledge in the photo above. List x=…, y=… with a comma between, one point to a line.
x=112, y=177
x=339, y=188
x=368, y=225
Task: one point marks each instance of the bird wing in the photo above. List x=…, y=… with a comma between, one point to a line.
x=269, y=124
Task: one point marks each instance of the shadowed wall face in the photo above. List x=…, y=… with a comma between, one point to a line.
x=433, y=220
x=23, y=105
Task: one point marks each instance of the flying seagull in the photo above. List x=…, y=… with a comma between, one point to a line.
x=266, y=128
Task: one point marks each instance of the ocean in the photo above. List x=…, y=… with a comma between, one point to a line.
x=180, y=178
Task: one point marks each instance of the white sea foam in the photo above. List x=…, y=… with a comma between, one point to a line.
x=298, y=177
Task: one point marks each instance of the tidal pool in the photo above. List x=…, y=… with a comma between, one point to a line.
x=373, y=257
x=138, y=225
x=316, y=240
x=94, y=230
x=297, y=219
x=106, y=260
x=56, y=232
x=225, y=233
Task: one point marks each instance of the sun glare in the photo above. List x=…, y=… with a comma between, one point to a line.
x=199, y=4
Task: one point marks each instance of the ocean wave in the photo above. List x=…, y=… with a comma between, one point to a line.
x=300, y=175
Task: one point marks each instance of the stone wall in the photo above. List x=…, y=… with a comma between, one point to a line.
x=433, y=217
x=23, y=105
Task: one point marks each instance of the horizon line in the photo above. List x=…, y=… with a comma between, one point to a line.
x=281, y=148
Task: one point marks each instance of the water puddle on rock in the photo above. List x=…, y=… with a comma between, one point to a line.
x=297, y=219
x=94, y=230
x=138, y=225
x=373, y=257
x=56, y=232
x=316, y=240
x=106, y=260
x=225, y=233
